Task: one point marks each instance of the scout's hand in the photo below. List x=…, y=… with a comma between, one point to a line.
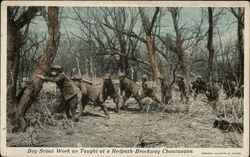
x=41, y=76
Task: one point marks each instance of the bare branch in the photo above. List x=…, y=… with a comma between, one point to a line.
x=27, y=16
x=154, y=18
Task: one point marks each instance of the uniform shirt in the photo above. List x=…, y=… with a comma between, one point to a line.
x=184, y=86
x=108, y=88
x=146, y=89
x=66, y=86
x=128, y=85
x=199, y=85
x=90, y=91
x=165, y=87
x=213, y=92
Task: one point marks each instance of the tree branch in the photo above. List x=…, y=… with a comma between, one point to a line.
x=27, y=16
x=154, y=19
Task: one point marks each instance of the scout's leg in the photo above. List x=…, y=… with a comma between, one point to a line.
x=61, y=107
x=138, y=99
x=84, y=102
x=103, y=97
x=124, y=99
x=143, y=95
x=116, y=101
x=104, y=108
x=181, y=96
x=153, y=97
x=67, y=108
x=195, y=94
x=75, y=108
x=186, y=94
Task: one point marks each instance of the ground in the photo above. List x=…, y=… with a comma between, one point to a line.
x=156, y=126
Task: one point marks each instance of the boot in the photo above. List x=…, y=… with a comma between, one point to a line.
x=104, y=108
x=123, y=104
x=117, y=108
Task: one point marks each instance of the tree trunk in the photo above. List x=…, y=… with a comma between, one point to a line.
x=15, y=42
x=240, y=20
x=150, y=41
x=210, y=45
x=178, y=45
x=13, y=62
x=152, y=56
x=241, y=45
x=178, y=48
x=35, y=84
x=122, y=44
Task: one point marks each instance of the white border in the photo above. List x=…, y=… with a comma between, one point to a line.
x=19, y=151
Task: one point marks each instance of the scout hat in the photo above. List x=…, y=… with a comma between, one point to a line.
x=144, y=76
x=56, y=67
x=107, y=77
x=198, y=76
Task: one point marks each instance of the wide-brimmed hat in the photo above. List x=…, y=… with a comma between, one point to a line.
x=56, y=67
x=144, y=76
x=107, y=77
x=198, y=77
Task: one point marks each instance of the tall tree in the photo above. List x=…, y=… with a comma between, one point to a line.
x=33, y=87
x=210, y=45
x=150, y=41
x=239, y=14
x=15, y=40
x=178, y=49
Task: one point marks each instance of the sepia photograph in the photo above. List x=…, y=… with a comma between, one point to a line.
x=157, y=79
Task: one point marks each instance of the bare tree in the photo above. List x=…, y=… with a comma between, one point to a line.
x=210, y=47
x=111, y=41
x=15, y=40
x=150, y=41
x=239, y=14
x=33, y=87
x=179, y=51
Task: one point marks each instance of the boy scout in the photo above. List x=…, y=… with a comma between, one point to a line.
x=199, y=86
x=212, y=94
x=148, y=91
x=70, y=93
x=166, y=90
x=184, y=87
x=90, y=93
x=109, y=90
x=128, y=87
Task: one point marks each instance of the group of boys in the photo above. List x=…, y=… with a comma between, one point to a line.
x=77, y=92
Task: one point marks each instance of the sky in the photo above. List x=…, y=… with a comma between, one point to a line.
x=188, y=15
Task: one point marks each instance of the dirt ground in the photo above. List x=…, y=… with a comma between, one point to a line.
x=156, y=126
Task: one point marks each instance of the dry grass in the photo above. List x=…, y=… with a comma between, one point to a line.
x=156, y=126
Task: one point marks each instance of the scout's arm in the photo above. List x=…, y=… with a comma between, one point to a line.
x=51, y=79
